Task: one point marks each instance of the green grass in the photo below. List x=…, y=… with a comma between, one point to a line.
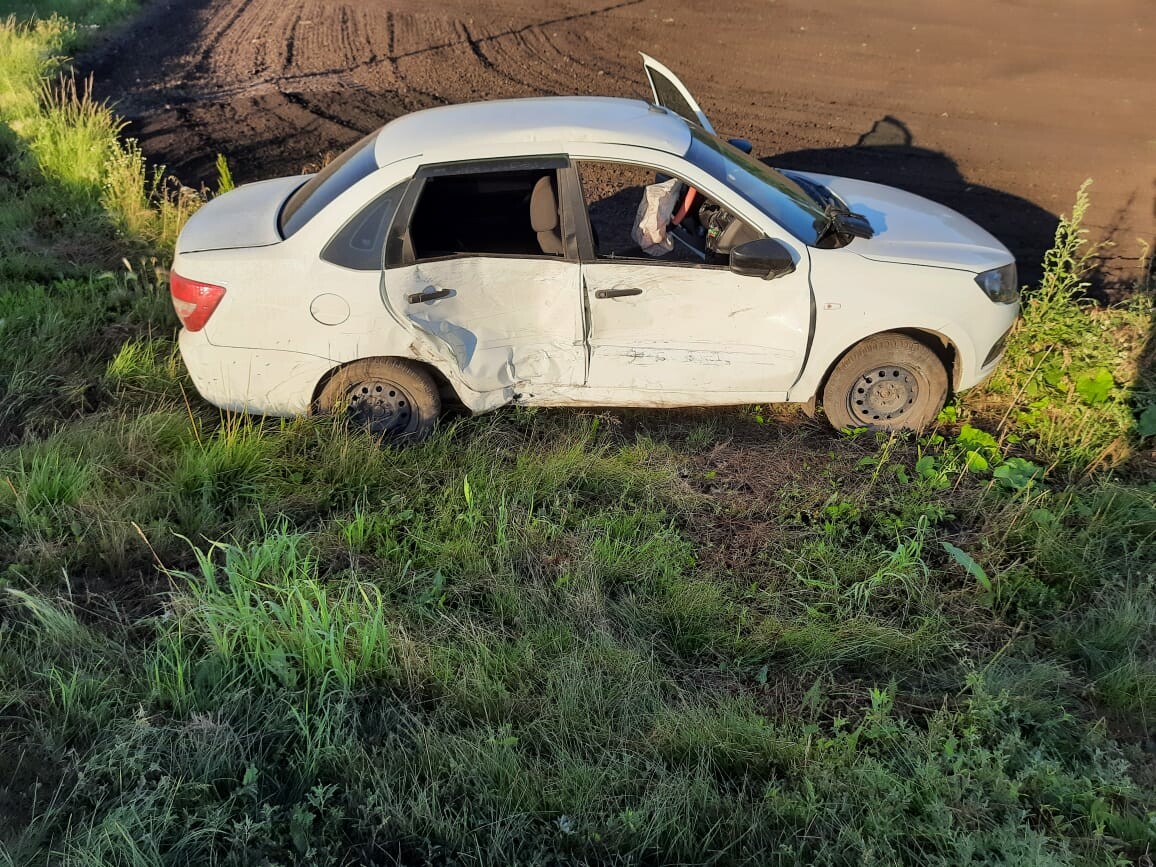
x=94, y=13
x=518, y=639
x=544, y=637
x=1076, y=383
x=71, y=192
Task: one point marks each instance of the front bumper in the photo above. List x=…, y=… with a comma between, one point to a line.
x=987, y=357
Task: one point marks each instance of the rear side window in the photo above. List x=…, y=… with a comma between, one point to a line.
x=329, y=183
x=359, y=243
x=480, y=214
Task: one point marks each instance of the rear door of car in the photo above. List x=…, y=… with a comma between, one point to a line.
x=468, y=272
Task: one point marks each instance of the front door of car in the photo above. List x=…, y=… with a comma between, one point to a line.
x=481, y=265
x=680, y=324
x=672, y=94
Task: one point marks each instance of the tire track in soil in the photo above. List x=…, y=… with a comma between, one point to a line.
x=518, y=51
x=214, y=37
x=328, y=56
x=520, y=87
x=559, y=20
x=290, y=45
x=299, y=100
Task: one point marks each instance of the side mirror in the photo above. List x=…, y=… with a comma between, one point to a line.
x=742, y=144
x=762, y=257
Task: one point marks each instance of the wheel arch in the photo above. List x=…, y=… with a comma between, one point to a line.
x=449, y=395
x=943, y=346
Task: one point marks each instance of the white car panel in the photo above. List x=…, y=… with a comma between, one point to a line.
x=246, y=217
x=910, y=229
x=265, y=304
x=695, y=329
x=504, y=322
x=262, y=382
x=538, y=125
x=856, y=298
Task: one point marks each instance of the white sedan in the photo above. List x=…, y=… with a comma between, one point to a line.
x=569, y=251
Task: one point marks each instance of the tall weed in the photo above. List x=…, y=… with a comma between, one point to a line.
x=1064, y=388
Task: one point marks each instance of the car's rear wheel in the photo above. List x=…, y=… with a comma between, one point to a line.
x=887, y=382
x=389, y=397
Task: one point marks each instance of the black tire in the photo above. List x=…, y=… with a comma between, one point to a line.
x=391, y=398
x=887, y=382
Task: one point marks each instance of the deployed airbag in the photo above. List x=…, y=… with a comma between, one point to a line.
x=653, y=218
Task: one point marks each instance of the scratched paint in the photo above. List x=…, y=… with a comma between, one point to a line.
x=682, y=332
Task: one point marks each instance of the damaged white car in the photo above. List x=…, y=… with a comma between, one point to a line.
x=571, y=251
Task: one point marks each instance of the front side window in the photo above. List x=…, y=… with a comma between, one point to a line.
x=638, y=213
x=311, y=197
x=504, y=213
x=667, y=94
x=358, y=244
x=773, y=193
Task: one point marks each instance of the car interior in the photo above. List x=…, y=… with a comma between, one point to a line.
x=702, y=231
x=519, y=213
x=501, y=213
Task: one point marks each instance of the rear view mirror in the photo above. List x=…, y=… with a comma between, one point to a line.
x=762, y=257
x=742, y=144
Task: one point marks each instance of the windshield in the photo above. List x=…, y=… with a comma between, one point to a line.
x=329, y=183
x=772, y=192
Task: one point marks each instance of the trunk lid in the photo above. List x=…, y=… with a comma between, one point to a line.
x=244, y=217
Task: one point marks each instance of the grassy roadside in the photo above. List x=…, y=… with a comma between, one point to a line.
x=545, y=636
x=75, y=195
x=82, y=222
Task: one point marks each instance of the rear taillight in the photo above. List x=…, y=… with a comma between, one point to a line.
x=194, y=301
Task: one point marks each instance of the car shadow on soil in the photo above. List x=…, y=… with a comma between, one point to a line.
x=887, y=154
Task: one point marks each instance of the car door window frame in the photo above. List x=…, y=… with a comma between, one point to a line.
x=399, y=248
x=330, y=252
x=572, y=187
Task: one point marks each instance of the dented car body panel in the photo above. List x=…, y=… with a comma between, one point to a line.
x=484, y=324
x=431, y=253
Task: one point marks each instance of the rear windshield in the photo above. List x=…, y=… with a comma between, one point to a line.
x=772, y=192
x=329, y=183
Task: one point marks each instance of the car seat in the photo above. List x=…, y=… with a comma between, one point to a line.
x=544, y=216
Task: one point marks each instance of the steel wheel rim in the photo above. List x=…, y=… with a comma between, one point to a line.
x=382, y=407
x=883, y=393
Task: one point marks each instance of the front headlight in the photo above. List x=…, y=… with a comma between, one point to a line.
x=1000, y=284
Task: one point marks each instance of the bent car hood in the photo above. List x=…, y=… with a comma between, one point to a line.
x=911, y=229
x=244, y=217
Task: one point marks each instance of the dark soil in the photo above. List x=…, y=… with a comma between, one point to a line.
x=997, y=109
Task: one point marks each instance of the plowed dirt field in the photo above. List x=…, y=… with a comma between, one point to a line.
x=999, y=108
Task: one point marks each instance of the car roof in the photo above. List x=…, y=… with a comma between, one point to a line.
x=538, y=125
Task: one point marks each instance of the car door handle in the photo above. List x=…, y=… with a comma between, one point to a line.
x=616, y=293
x=428, y=294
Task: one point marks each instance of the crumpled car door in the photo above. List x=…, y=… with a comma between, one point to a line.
x=504, y=323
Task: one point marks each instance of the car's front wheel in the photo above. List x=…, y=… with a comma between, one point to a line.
x=391, y=398
x=887, y=382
